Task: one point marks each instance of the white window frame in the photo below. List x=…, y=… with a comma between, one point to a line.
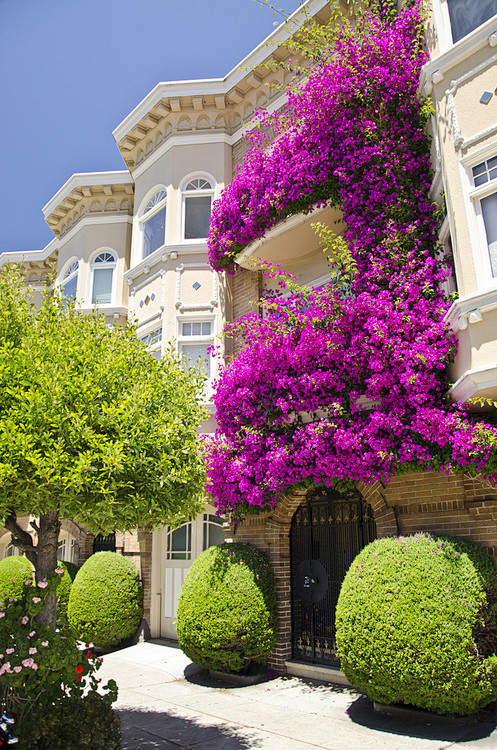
x=473, y=195
x=143, y=216
x=151, y=328
x=209, y=340
x=6, y=546
x=65, y=276
x=66, y=544
x=198, y=193
x=444, y=28
x=113, y=265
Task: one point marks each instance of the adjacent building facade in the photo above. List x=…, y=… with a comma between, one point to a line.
x=133, y=242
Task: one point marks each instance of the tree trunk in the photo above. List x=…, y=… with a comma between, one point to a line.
x=48, y=539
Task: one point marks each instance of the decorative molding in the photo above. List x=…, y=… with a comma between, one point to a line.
x=459, y=140
x=474, y=382
x=200, y=306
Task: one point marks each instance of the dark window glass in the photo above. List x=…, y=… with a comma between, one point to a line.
x=467, y=15
x=489, y=210
x=197, y=216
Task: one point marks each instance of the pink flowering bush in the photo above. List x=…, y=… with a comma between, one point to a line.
x=41, y=668
x=344, y=384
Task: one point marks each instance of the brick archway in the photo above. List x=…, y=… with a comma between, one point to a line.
x=277, y=546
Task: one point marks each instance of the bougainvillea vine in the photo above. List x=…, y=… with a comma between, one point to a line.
x=344, y=384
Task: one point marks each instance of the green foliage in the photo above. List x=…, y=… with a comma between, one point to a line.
x=63, y=590
x=416, y=623
x=106, y=600
x=74, y=724
x=91, y=425
x=227, y=609
x=13, y=572
x=40, y=667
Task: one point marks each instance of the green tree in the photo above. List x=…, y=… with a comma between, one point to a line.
x=92, y=427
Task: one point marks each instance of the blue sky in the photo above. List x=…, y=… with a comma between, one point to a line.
x=71, y=70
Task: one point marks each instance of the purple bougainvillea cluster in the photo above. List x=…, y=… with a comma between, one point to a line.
x=344, y=385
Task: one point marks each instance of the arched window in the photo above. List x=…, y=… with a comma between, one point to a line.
x=69, y=282
x=197, y=198
x=65, y=548
x=102, y=277
x=153, y=222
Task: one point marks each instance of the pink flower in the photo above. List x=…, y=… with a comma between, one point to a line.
x=32, y=651
x=42, y=584
x=9, y=651
x=5, y=667
x=30, y=635
x=17, y=669
x=59, y=571
x=25, y=619
x=44, y=643
x=28, y=582
x=2, y=614
x=36, y=600
x=29, y=663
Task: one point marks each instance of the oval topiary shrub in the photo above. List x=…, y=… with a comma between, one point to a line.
x=14, y=571
x=64, y=588
x=416, y=623
x=227, y=608
x=106, y=600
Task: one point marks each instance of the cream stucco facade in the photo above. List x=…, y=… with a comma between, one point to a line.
x=134, y=241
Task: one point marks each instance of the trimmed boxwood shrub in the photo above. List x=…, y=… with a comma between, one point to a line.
x=227, y=608
x=64, y=588
x=416, y=623
x=13, y=572
x=106, y=600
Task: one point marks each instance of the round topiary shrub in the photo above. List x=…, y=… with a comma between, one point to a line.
x=106, y=600
x=416, y=623
x=14, y=571
x=227, y=608
x=64, y=588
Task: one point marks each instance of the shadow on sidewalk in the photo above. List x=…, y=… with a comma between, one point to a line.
x=162, y=730
x=361, y=712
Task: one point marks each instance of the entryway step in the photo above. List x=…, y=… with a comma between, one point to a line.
x=316, y=672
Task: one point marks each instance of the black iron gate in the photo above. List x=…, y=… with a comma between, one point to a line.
x=104, y=543
x=327, y=532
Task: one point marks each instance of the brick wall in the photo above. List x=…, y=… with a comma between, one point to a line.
x=459, y=505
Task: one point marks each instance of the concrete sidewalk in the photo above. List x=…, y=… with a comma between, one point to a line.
x=167, y=703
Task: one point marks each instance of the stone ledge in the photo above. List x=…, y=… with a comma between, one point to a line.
x=316, y=672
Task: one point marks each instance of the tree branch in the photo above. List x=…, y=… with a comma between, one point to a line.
x=20, y=538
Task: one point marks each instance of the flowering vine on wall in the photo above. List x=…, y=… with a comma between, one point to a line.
x=351, y=384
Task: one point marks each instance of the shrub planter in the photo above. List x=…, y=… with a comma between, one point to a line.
x=227, y=610
x=418, y=716
x=416, y=624
x=255, y=674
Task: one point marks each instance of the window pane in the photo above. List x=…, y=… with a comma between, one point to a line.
x=213, y=532
x=197, y=216
x=69, y=288
x=206, y=329
x=489, y=210
x=467, y=15
x=195, y=355
x=102, y=285
x=196, y=329
x=187, y=329
x=154, y=232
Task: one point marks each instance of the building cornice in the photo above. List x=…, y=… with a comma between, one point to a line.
x=223, y=104
x=89, y=192
x=31, y=256
x=468, y=310
x=473, y=382
x=440, y=65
